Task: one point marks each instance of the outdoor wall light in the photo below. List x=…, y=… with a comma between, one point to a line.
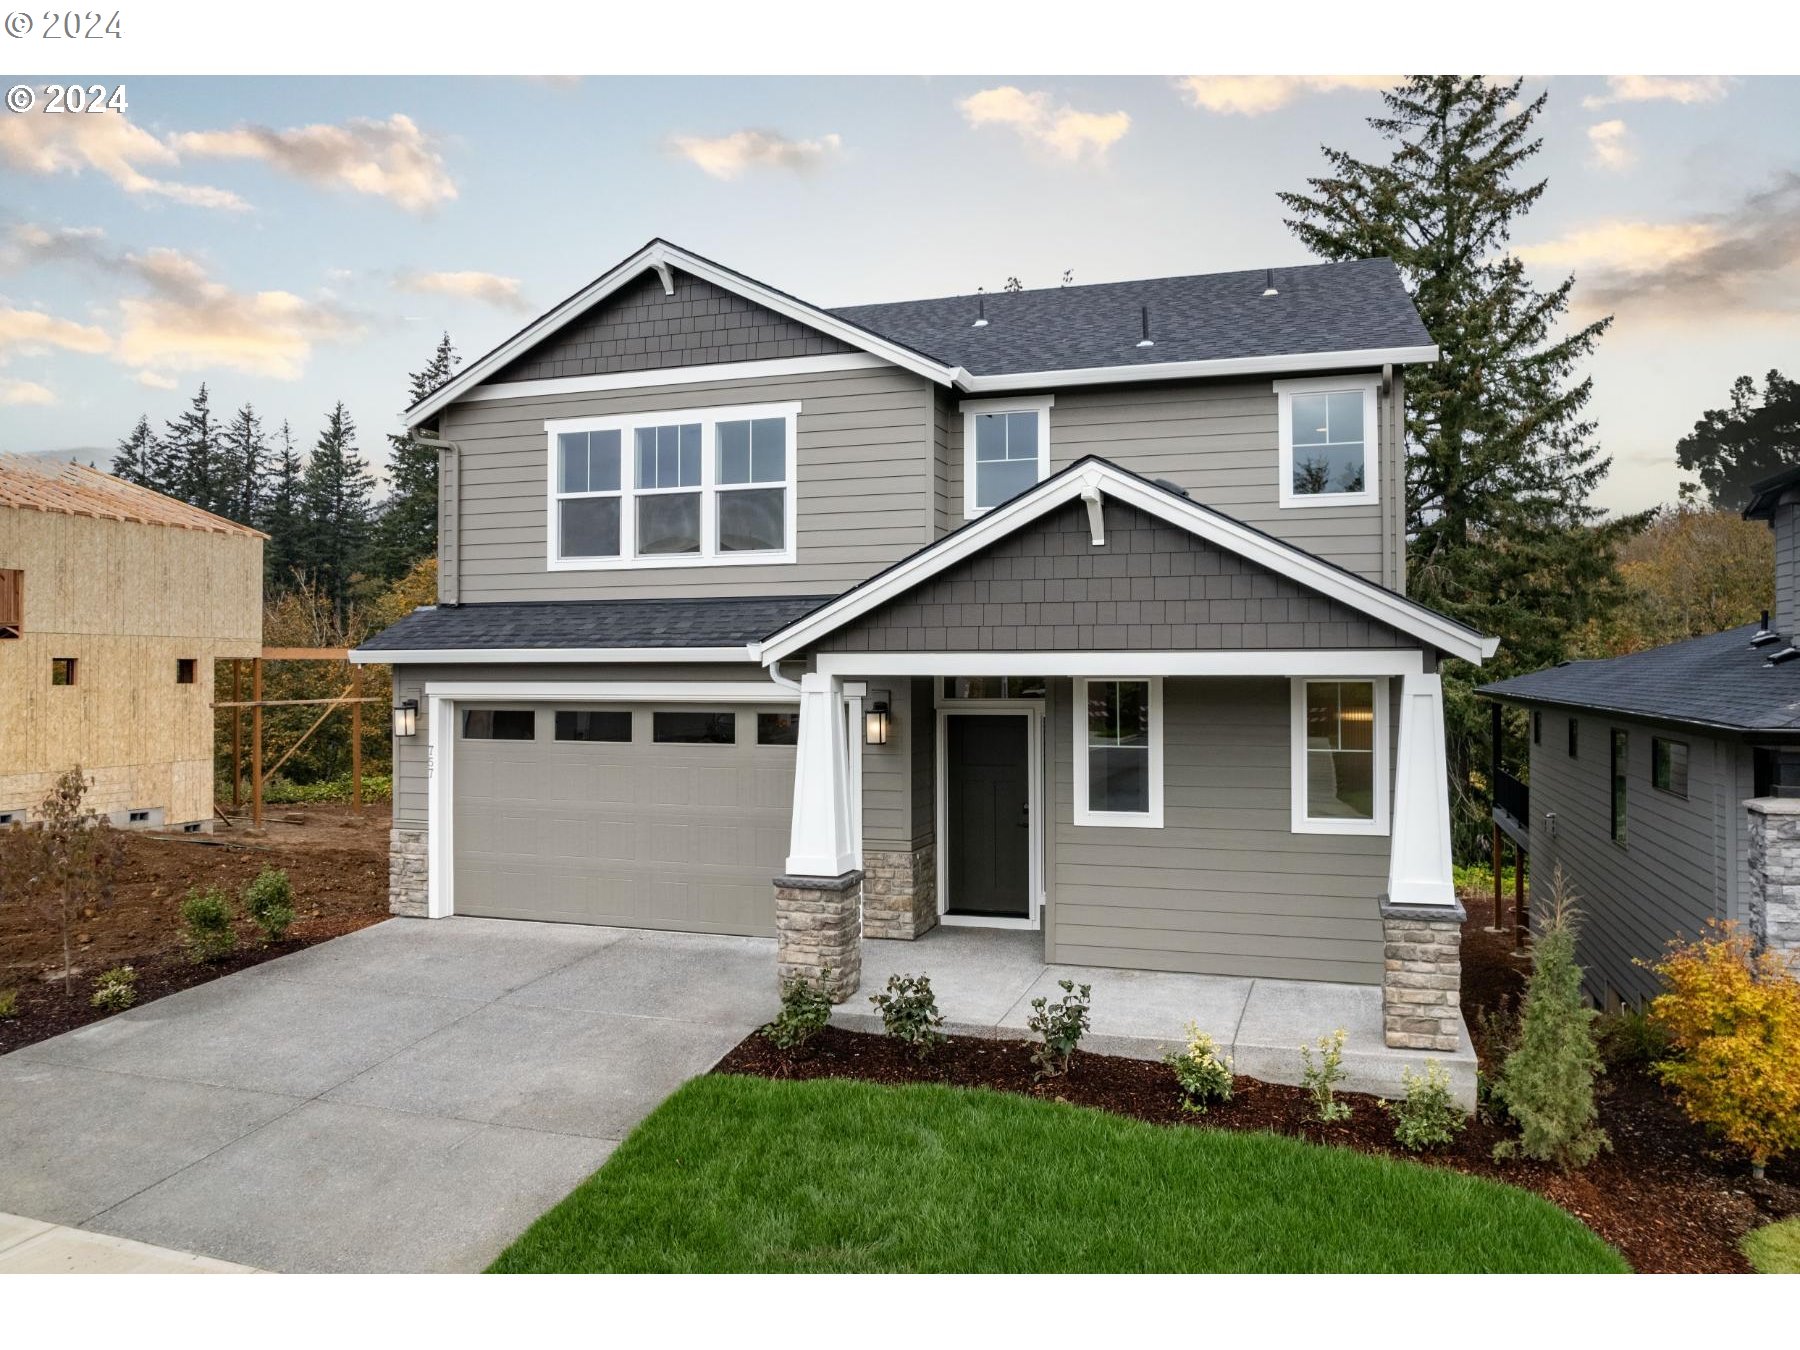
x=406, y=718
x=876, y=723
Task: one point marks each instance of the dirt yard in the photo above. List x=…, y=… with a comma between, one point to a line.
x=336, y=861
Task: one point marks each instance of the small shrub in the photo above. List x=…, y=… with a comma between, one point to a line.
x=1428, y=1116
x=805, y=1009
x=1733, y=1022
x=1321, y=1079
x=909, y=1012
x=115, y=990
x=206, y=925
x=1631, y=1040
x=1547, y=1082
x=269, y=901
x=1774, y=1249
x=9, y=1004
x=1203, y=1075
x=1062, y=1024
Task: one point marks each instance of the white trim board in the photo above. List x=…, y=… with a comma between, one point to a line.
x=1282, y=363
x=1323, y=664
x=675, y=376
x=439, y=656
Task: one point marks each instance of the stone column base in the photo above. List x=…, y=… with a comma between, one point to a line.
x=1773, y=904
x=1421, y=977
x=407, y=867
x=899, y=893
x=818, y=931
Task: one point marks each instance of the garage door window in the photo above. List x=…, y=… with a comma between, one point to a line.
x=499, y=724
x=778, y=728
x=596, y=725
x=695, y=728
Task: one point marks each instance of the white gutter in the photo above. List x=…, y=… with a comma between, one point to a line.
x=1192, y=370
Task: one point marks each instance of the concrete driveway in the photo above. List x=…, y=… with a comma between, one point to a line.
x=407, y=1098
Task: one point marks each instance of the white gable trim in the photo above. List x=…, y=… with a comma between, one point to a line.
x=659, y=256
x=1364, y=596
x=671, y=376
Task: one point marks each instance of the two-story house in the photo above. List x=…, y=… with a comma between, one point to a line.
x=1077, y=610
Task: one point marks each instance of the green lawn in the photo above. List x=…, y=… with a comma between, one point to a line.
x=745, y=1174
x=1774, y=1249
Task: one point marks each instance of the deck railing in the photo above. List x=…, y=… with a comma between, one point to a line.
x=1512, y=797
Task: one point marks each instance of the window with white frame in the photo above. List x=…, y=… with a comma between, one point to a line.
x=699, y=486
x=1340, y=757
x=1006, y=450
x=1327, y=438
x=1118, y=752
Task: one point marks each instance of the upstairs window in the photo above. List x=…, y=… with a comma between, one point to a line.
x=697, y=487
x=1006, y=450
x=1326, y=431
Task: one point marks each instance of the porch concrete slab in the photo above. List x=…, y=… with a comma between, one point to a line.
x=465, y=958
x=558, y=1069
x=1140, y=1013
x=15, y=1228
x=336, y=1187
x=74, y=1141
x=977, y=974
x=57, y=1250
x=257, y=1034
x=689, y=977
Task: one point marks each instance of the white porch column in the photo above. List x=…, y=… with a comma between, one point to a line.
x=818, y=901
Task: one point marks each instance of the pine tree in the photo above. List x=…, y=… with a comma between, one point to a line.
x=240, y=467
x=1500, y=460
x=187, y=467
x=133, y=459
x=279, y=515
x=336, y=495
x=407, y=529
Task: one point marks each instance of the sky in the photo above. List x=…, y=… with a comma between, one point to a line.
x=297, y=241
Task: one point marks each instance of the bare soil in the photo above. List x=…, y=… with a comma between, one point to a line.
x=336, y=860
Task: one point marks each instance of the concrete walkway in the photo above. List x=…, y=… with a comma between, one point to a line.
x=985, y=979
x=28, y=1247
x=406, y=1098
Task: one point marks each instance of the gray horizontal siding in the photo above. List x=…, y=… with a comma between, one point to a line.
x=899, y=809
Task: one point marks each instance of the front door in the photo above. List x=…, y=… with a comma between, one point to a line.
x=987, y=815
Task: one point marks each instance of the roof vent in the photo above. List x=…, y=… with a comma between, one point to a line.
x=1146, y=340
x=980, y=312
x=1788, y=653
x=1763, y=634
x=1269, y=283
x=1176, y=488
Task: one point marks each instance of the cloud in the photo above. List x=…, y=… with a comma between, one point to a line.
x=25, y=393
x=151, y=380
x=1609, y=145
x=727, y=157
x=108, y=144
x=1254, y=95
x=1064, y=132
x=1660, y=88
x=393, y=160
x=490, y=289
x=30, y=330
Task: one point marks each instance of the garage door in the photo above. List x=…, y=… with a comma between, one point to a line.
x=643, y=817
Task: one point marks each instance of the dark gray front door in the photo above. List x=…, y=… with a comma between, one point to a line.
x=986, y=806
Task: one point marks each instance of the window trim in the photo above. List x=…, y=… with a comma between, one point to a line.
x=1152, y=819
x=975, y=407
x=1686, y=766
x=1369, y=386
x=627, y=424
x=1301, y=823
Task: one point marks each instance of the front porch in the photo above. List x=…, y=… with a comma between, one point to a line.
x=985, y=979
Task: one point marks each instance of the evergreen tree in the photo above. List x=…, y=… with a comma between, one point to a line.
x=407, y=529
x=187, y=467
x=240, y=467
x=133, y=459
x=1500, y=460
x=1731, y=448
x=280, y=511
x=336, y=495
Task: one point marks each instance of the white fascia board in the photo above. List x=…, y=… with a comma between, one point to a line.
x=775, y=368
x=1199, y=370
x=1363, y=596
x=657, y=257
x=611, y=691
x=443, y=656
x=1321, y=663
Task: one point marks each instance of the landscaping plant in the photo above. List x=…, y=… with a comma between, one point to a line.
x=269, y=901
x=9, y=1004
x=1203, y=1075
x=1427, y=1117
x=909, y=1012
x=805, y=1009
x=115, y=990
x=1321, y=1079
x=1629, y=1039
x=206, y=925
x=65, y=861
x=1547, y=1081
x=1733, y=1021
x=1062, y=1024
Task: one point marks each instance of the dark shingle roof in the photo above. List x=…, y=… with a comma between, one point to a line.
x=1719, y=681
x=1326, y=307
x=551, y=624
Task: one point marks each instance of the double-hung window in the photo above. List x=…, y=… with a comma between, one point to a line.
x=696, y=487
x=1006, y=450
x=1119, y=753
x=1327, y=439
x=1340, y=757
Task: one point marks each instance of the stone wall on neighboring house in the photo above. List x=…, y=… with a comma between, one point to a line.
x=407, y=872
x=1772, y=907
x=899, y=893
x=1421, y=981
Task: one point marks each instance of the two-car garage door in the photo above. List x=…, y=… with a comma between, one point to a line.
x=641, y=816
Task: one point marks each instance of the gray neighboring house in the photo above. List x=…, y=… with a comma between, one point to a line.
x=1079, y=611
x=1666, y=783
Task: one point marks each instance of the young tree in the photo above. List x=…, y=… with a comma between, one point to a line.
x=279, y=516
x=189, y=452
x=132, y=460
x=336, y=495
x=1731, y=448
x=241, y=468
x=64, y=861
x=407, y=528
x=1500, y=461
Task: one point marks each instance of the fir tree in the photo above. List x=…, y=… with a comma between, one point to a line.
x=240, y=467
x=133, y=459
x=407, y=529
x=1500, y=459
x=187, y=467
x=1731, y=448
x=279, y=514
x=336, y=495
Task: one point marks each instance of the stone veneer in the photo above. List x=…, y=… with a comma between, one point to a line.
x=1772, y=907
x=818, y=931
x=406, y=872
x=899, y=894
x=1421, y=978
